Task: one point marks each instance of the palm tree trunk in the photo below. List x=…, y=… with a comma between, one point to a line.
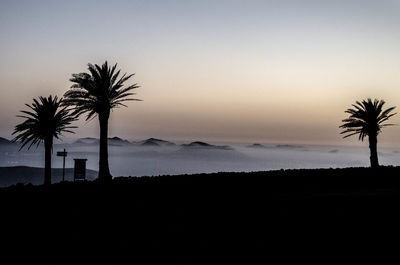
x=374, y=151
x=104, y=170
x=48, y=143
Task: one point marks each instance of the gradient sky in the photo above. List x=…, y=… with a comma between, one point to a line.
x=250, y=71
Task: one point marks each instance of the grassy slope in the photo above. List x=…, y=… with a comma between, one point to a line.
x=186, y=219
x=23, y=174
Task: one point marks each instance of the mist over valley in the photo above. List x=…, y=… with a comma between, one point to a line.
x=153, y=157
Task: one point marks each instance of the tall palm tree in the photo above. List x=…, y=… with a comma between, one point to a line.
x=366, y=119
x=97, y=93
x=45, y=119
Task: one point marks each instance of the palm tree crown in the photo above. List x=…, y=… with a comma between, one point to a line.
x=366, y=118
x=100, y=91
x=45, y=120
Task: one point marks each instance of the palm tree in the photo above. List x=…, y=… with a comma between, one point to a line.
x=97, y=93
x=45, y=119
x=366, y=119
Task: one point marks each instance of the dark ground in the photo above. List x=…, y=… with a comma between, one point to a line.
x=23, y=174
x=339, y=215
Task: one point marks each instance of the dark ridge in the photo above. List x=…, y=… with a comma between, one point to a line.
x=116, y=141
x=203, y=145
x=149, y=143
x=288, y=146
x=256, y=145
x=198, y=143
x=34, y=175
x=160, y=141
x=4, y=141
x=87, y=141
x=157, y=142
x=250, y=218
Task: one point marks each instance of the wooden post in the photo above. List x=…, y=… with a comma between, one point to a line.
x=64, y=166
x=63, y=154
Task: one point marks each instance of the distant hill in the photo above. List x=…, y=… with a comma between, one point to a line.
x=118, y=141
x=156, y=142
x=256, y=146
x=114, y=141
x=289, y=146
x=203, y=145
x=22, y=174
x=87, y=141
x=4, y=141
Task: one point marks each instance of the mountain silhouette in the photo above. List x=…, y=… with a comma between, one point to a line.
x=156, y=142
x=118, y=141
x=87, y=141
x=289, y=146
x=256, y=145
x=203, y=145
x=4, y=141
x=114, y=141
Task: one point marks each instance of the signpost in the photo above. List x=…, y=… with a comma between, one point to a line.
x=63, y=154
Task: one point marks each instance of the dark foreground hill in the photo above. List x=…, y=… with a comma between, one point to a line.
x=34, y=175
x=320, y=216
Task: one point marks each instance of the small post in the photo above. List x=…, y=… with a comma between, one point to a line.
x=64, y=166
x=63, y=154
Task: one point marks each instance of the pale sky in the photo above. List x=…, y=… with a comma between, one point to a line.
x=249, y=71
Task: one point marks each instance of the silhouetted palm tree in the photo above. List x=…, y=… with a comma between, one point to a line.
x=366, y=119
x=97, y=93
x=46, y=119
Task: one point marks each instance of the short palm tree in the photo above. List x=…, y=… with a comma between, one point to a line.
x=97, y=93
x=367, y=119
x=45, y=119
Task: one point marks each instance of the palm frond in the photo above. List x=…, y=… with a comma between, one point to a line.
x=99, y=90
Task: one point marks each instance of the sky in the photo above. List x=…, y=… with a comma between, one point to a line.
x=247, y=71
